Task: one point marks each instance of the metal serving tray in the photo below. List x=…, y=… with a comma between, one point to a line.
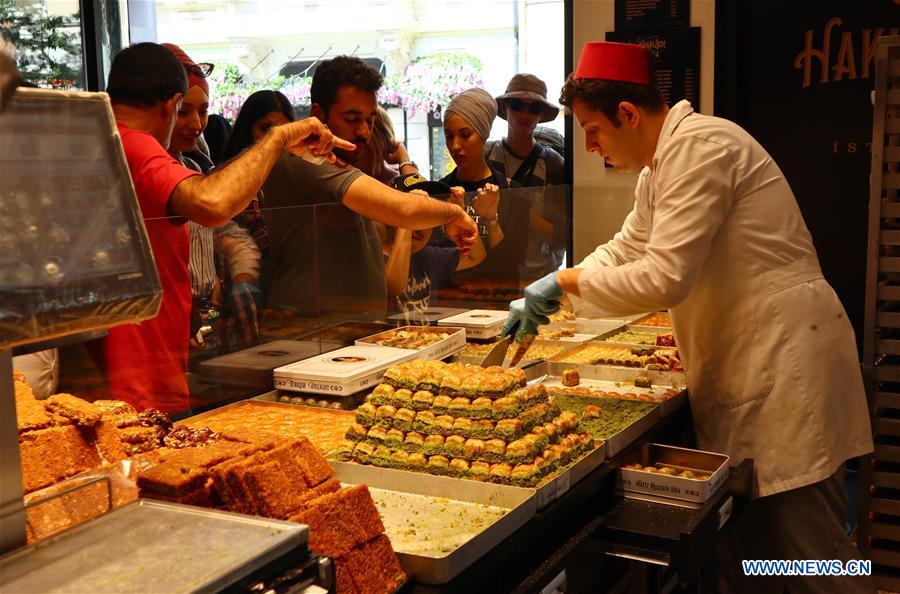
x=565, y=345
x=586, y=326
x=425, y=317
x=151, y=546
x=666, y=406
x=436, y=498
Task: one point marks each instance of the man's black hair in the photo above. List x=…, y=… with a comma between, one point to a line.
x=145, y=74
x=339, y=72
x=605, y=95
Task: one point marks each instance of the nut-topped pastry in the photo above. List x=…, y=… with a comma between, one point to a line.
x=505, y=408
x=438, y=464
x=363, y=451
x=402, y=398
x=416, y=461
x=424, y=422
x=459, y=468
x=413, y=441
x=356, y=432
x=384, y=414
x=394, y=438
x=480, y=470
x=441, y=405
x=518, y=451
x=460, y=407
x=509, y=428
x=473, y=448
x=481, y=408
x=382, y=394
x=482, y=429
x=382, y=456
x=404, y=419
x=444, y=424
x=434, y=444
x=423, y=400
x=500, y=473
x=365, y=414
x=453, y=445
x=495, y=450
x=399, y=460
x=377, y=433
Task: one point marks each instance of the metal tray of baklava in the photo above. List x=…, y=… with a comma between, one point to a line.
x=625, y=385
x=554, y=486
x=563, y=346
x=438, y=525
x=606, y=336
x=144, y=547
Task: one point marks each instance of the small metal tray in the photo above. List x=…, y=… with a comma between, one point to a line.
x=672, y=489
x=151, y=546
x=666, y=406
x=434, y=496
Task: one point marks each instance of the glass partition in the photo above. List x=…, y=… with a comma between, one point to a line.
x=329, y=271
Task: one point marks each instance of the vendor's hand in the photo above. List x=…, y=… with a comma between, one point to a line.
x=398, y=155
x=310, y=136
x=487, y=199
x=458, y=196
x=541, y=299
x=463, y=231
x=519, y=321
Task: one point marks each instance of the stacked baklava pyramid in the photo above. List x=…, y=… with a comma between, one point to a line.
x=464, y=421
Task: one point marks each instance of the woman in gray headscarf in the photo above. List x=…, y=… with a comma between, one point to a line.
x=502, y=219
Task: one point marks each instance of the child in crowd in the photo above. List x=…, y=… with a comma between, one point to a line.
x=414, y=269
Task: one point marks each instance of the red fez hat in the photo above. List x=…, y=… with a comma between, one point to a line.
x=607, y=60
x=194, y=74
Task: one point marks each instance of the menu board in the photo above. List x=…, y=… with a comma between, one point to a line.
x=676, y=54
x=640, y=13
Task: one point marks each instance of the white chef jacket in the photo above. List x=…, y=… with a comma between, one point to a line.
x=717, y=237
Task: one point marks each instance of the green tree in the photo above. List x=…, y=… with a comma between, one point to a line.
x=47, y=47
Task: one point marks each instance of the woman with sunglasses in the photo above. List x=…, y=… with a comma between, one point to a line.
x=524, y=105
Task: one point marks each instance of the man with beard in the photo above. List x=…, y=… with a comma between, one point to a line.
x=323, y=254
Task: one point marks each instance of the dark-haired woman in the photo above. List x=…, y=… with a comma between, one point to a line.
x=260, y=112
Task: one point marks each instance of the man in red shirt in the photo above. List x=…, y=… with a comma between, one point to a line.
x=146, y=363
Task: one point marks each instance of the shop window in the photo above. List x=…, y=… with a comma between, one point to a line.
x=47, y=37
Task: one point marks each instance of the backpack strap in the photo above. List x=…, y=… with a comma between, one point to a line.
x=526, y=169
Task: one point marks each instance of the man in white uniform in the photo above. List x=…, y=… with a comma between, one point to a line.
x=716, y=237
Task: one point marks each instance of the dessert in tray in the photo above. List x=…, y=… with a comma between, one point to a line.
x=651, y=358
x=286, y=479
x=535, y=352
x=324, y=428
x=464, y=421
x=409, y=338
x=658, y=320
x=601, y=417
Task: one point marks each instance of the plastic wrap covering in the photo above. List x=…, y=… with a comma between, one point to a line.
x=74, y=253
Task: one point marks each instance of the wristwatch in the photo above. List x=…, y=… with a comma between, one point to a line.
x=492, y=222
x=413, y=163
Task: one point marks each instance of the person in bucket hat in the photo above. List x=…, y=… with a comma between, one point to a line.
x=531, y=164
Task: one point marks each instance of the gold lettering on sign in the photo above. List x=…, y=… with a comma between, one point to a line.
x=846, y=66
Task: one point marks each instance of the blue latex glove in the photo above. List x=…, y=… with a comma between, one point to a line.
x=541, y=300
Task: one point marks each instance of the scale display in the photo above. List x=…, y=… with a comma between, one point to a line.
x=74, y=254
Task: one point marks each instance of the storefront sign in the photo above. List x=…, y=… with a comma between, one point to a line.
x=803, y=90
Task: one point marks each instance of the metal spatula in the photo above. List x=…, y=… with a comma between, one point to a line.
x=497, y=353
